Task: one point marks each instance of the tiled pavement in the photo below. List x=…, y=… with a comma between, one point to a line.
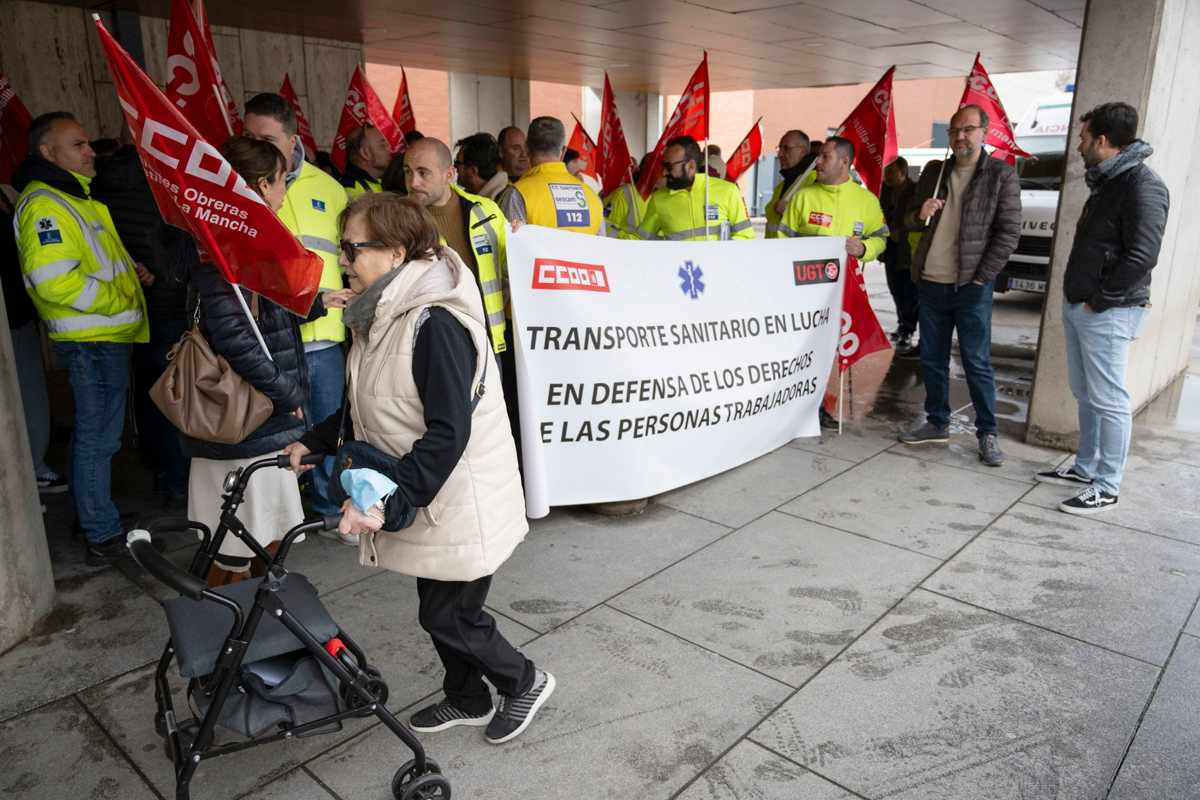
x=841, y=618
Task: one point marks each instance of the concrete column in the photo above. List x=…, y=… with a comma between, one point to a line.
x=26, y=580
x=1143, y=54
x=640, y=114
x=486, y=103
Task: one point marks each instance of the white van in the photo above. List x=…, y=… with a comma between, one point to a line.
x=1042, y=133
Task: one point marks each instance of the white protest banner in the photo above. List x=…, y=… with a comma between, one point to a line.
x=644, y=366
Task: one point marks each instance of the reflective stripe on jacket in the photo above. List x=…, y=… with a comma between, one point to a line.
x=79, y=275
x=679, y=214
x=311, y=208
x=773, y=216
x=841, y=210
x=486, y=231
x=624, y=210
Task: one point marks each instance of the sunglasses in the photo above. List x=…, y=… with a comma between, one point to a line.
x=350, y=249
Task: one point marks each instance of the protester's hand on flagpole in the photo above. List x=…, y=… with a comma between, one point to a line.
x=931, y=207
x=144, y=275
x=855, y=247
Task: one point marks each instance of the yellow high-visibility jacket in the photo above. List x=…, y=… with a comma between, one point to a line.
x=624, y=209
x=487, y=233
x=550, y=196
x=310, y=211
x=680, y=215
x=846, y=209
x=80, y=276
x=773, y=216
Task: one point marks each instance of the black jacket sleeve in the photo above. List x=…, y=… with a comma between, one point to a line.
x=323, y=438
x=443, y=368
x=1143, y=219
x=1005, y=233
x=228, y=331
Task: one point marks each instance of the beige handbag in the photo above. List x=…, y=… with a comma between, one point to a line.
x=203, y=397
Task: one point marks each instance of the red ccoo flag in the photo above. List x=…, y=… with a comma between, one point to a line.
x=196, y=189
x=14, y=131
x=193, y=80
x=690, y=118
x=614, y=163
x=288, y=93
x=362, y=107
x=871, y=126
x=583, y=144
x=979, y=91
x=746, y=153
x=402, y=111
x=231, y=107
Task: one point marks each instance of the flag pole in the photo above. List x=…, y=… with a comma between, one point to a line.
x=841, y=397
x=938, y=186
x=237, y=290
x=706, y=182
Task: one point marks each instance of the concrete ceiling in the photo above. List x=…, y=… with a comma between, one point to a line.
x=655, y=44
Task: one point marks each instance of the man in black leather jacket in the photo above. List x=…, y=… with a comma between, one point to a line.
x=1106, y=293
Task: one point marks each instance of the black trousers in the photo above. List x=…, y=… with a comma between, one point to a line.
x=469, y=643
x=904, y=294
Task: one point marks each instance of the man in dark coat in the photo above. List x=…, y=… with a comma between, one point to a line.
x=1106, y=296
x=970, y=213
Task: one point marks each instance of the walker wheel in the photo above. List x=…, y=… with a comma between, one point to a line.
x=407, y=777
x=427, y=787
x=375, y=685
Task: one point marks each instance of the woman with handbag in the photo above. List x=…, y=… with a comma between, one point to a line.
x=272, y=503
x=425, y=399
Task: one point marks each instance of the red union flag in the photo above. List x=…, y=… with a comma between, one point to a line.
x=231, y=108
x=871, y=126
x=196, y=189
x=14, y=131
x=690, y=118
x=288, y=93
x=582, y=143
x=979, y=91
x=194, y=82
x=615, y=164
x=861, y=334
x=363, y=107
x=402, y=111
x=746, y=153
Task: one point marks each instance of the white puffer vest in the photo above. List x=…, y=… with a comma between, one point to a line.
x=478, y=517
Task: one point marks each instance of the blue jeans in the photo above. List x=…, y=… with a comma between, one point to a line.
x=99, y=373
x=942, y=309
x=326, y=384
x=1097, y=355
x=31, y=375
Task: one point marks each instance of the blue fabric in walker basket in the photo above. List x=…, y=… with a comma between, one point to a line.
x=199, y=627
x=366, y=487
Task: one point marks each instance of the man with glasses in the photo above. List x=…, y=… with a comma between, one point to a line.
x=691, y=207
x=969, y=211
x=794, y=161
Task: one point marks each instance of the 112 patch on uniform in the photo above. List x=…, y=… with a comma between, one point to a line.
x=481, y=245
x=570, y=206
x=48, y=232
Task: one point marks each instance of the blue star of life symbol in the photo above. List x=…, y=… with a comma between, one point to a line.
x=692, y=280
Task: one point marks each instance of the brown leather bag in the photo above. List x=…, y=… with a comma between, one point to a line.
x=203, y=397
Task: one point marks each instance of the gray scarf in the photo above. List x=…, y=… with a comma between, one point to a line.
x=1130, y=156
x=360, y=315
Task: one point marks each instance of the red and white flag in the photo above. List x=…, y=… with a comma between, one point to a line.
x=979, y=91
x=615, y=164
x=690, y=118
x=871, y=126
x=14, y=131
x=194, y=82
x=196, y=189
x=746, y=153
x=582, y=143
x=861, y=334
x=362, y=108
x=402, y=111
x=302, y=128
x=231, y=106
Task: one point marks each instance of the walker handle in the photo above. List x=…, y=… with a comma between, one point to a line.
x=142, y=549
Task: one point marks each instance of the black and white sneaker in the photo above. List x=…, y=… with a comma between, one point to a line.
x=1063, y=476
x=1090, y=501
x=55, y=484
x=444, y=715
x=514, y=714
